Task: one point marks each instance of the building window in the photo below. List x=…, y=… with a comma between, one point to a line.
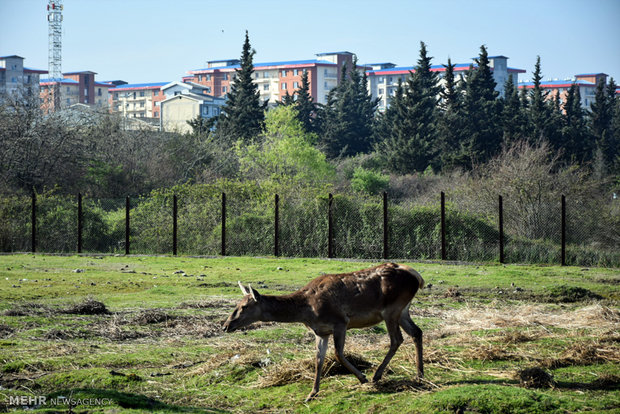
x=68, y=89
x=199, y=78
x=380, y=91
x=141, y=94
x=390, y=79
x=99, y=91
x=208, y=89
x=325, y=85
x=155, y=93
x=205, y=110
x=224, y=89
x=266, y=87
x=208, y=77
x=225, y=77
x=284, y=73
x=283, y=86
x=68, y=101
x=295, y=85
x=265, y=74
x=296, y=72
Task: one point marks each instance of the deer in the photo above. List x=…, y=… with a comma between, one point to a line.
x=331, y=304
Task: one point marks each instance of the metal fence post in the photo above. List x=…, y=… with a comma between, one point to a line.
x=127, y=226
x=223, y=224
x=501, y=229
x=563, y=261
x=276, y=227
x=174, y=224
x=385, y=226
x=443, y=226
x=330, y=226
x=80, y=224
x=33, y=239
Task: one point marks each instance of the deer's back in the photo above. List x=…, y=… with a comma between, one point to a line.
x=362, y=297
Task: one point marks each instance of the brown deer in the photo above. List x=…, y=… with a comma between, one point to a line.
x=331, y=304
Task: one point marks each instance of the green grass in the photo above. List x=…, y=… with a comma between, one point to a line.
x=160, y=347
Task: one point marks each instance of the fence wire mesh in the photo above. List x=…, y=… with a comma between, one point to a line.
x=532, y=230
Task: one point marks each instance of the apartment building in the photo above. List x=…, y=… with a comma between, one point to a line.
x=383, y=78
x=14, y=76
x=185, y=101
x=140, y=100
x=586, y=83
x=275, y=79
x=74, y=88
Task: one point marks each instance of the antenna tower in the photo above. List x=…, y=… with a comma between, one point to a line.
x=54, y=19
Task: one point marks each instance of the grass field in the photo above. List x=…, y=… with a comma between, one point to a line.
x=138, y=334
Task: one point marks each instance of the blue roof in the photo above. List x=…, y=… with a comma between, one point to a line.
x=559, y=83
x=63, y=80
x=412, y=68
x=334, y=53
x=141, y=85
x=263, y=64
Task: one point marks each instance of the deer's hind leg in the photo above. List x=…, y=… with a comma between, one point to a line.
x=416, y=333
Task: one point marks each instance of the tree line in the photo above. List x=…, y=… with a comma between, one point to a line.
x=430, y=126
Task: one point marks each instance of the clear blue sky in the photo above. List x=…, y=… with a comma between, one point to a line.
x=160, y=40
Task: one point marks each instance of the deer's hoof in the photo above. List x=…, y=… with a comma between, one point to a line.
x=363, y=380
x=311, y=396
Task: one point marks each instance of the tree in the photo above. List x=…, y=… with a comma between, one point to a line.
x=306, y=108
x=577, y=143
x=482, y=112
x=243, y=115
x=513, y=117
x=451, y=121
x=285, y=155
x=412, y=144
x=601, y=116
x=538, y=108
x=348, y=117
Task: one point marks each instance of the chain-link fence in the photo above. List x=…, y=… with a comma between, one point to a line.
x=343, y=226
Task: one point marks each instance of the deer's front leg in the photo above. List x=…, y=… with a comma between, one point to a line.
x=321, y=350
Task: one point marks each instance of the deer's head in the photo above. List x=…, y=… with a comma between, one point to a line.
x=247, y=311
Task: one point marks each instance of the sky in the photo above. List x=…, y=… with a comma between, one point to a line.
x=142, y=41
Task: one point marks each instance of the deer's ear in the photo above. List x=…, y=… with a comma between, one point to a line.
x=243, y=289
x=254, y=293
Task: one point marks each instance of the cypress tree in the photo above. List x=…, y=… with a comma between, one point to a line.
x=243, y=115
x=577, y=144
x=412, y=145
x=451, y=121
x=305, y=105
x=539, y=110
x=482, y=112
x=600, y=117
x=348, y=117
x=513, y=118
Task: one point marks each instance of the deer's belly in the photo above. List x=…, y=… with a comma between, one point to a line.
x=363, y=321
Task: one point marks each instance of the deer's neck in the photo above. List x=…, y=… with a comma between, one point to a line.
x=290, y=308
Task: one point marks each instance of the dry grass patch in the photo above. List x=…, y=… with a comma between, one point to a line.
x=89, y=306
x=535, y=378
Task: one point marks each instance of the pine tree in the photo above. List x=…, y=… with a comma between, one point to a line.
x=482, y=112
x=243, y=115
x=287, y=100
x=306, y=106
x=412, y=145
x=348, y=117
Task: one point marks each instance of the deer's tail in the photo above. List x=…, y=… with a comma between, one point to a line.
x=414, y=273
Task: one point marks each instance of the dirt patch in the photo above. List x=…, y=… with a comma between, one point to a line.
x=29, y=309
x=208, y=304
x=535, y=378
x=88, y=307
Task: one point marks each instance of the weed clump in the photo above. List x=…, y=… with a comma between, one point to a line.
x=5, y=330
x=88, y=307
x=571, y=294
x=535, y=378
x=152, y=316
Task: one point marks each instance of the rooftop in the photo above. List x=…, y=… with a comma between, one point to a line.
x=138, y=86
x=565, y=83
x=264, y=65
